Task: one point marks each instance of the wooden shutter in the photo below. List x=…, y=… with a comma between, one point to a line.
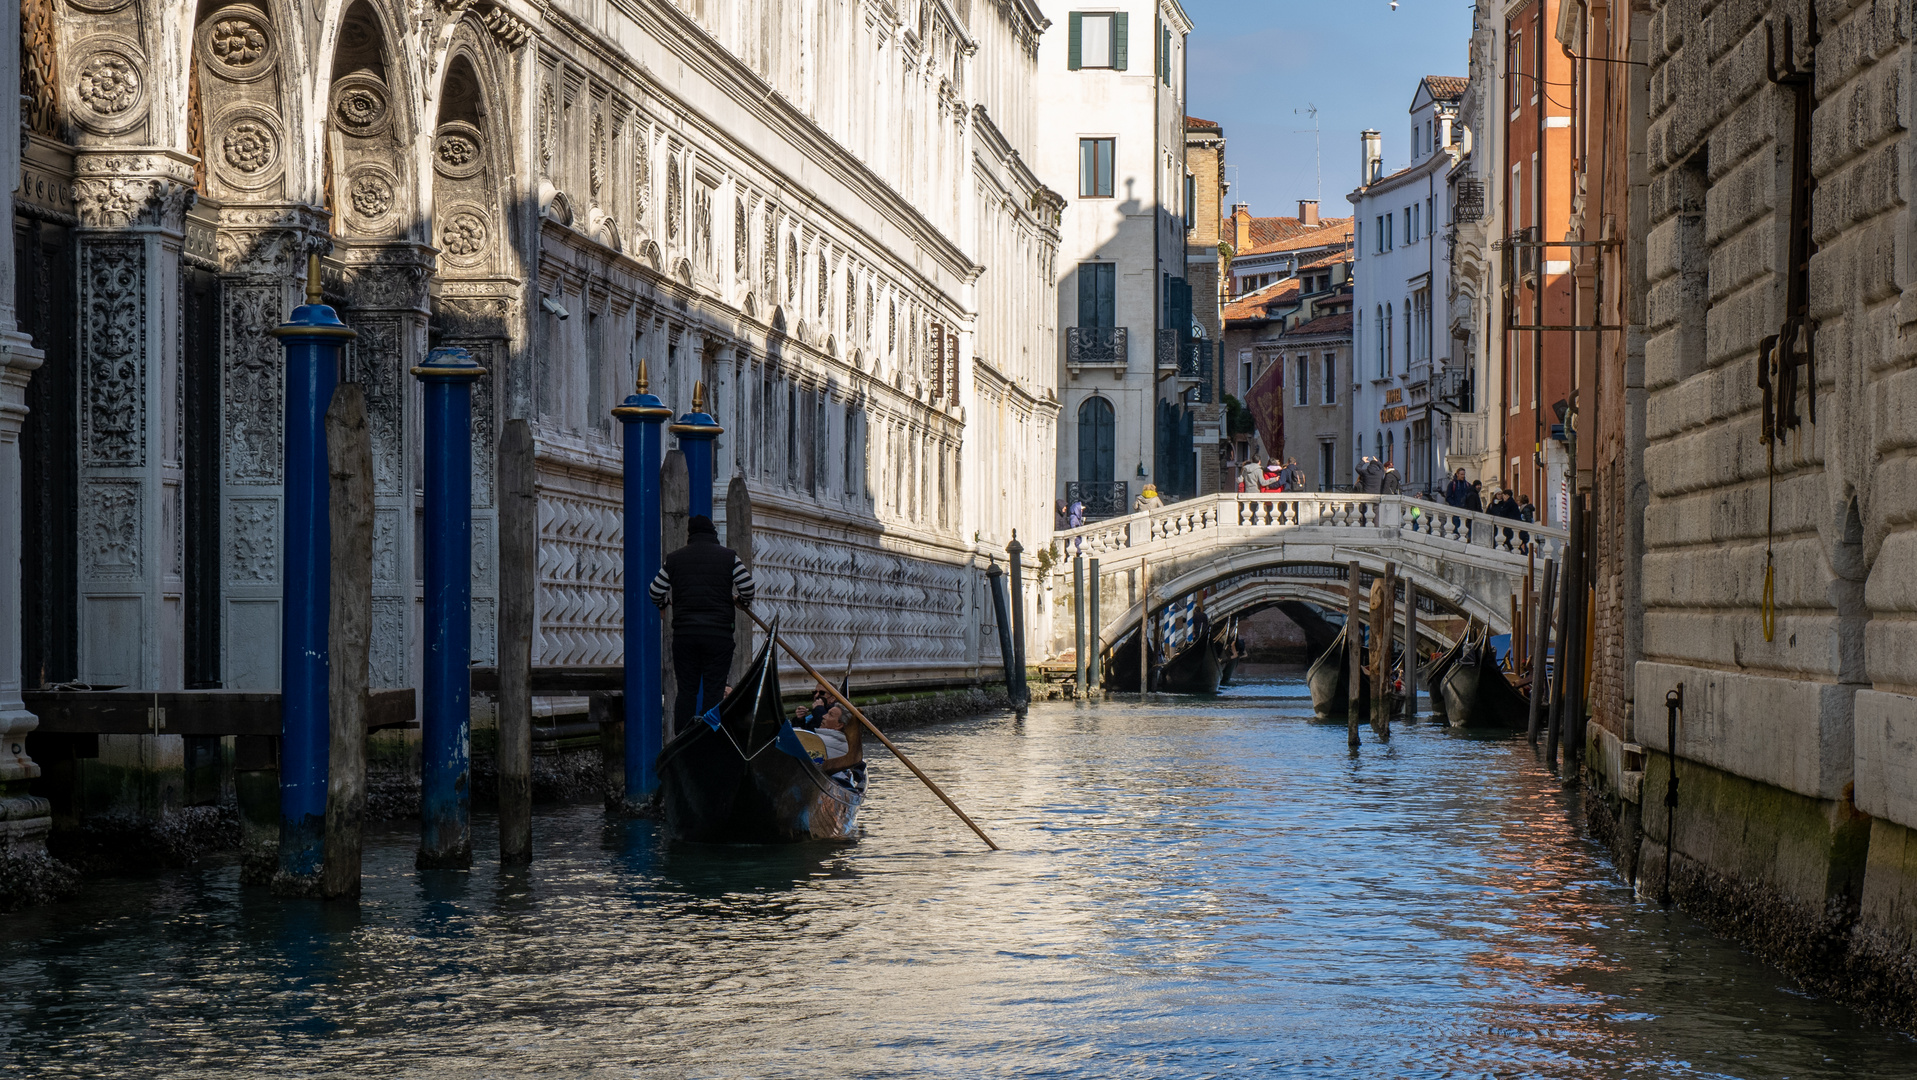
x=1119, y=19
x=1075, y=45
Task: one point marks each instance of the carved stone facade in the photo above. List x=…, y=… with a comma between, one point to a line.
x=510, y=180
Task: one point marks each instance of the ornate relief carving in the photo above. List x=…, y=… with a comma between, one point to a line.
x=506, y=28
x=482, y=554
x=249, y=147
x=675, y=199
x=377, y=364
x=236, y=44
x=109, y=89
x=111, y=534
x=388, y=650
x=372, y=200
x=456, y=152
x=485, y=630
x=360, y=106
x=254, y=391
x=39, y=69
x=386, y=546
x=548, y=126
x=642, y=170
x=113, y=276
x=465, y=236
x=253, y=542
x=596, y=152
x=114, y=191
x=483, y=428
x=387, y=276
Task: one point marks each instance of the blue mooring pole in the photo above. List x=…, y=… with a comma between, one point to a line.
x=445, y=810
x=696, y=431
x=313, y=338
x=642, y=414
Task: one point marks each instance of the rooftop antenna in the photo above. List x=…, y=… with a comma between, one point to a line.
x=1317, y=149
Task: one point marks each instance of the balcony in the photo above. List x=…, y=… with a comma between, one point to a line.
x=1467, y=432
x=1166, y=355
x=1102, y=498
x=1095, y=346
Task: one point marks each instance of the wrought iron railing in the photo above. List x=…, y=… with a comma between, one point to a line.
x=1103, y=498
x=1095, y=345
x=1167, y=351
x=1188, y=363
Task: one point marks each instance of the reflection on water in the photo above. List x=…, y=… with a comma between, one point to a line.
x=1187, y=890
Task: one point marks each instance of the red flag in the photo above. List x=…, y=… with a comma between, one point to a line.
x=1266, y=402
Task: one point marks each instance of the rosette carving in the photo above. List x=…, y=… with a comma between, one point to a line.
x=360, y=106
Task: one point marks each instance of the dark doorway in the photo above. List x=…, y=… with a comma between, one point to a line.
x=1097, y=442
x=50, y=468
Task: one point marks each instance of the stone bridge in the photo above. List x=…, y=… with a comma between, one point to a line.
x=1241, y=552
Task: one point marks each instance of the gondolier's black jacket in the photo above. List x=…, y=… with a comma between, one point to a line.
x=698, y=581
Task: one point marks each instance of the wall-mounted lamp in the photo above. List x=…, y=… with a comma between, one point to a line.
x=553, y=306
x=1141, y=468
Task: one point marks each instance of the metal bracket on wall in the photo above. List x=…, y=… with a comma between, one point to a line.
x=1791, y=354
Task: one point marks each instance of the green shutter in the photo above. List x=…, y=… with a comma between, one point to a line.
x=1075, y=47
x=1166, y=53
x=1118, y=40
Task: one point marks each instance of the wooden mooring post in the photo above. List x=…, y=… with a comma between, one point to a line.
x=349, y=460
x=518, y=583
x=1410, y=650
x=1354, y=651
x=1382, y=625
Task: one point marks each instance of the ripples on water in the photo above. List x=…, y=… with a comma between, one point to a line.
x=1188, y=890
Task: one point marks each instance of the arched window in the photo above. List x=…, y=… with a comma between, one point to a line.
x=1097, y=442
x=1384, y=335
x=1391, y=446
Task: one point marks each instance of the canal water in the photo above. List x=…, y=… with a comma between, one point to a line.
x=1188, y=889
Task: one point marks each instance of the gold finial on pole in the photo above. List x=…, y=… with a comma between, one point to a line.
x=640, y=384
x=313, y=295
x=699, y=396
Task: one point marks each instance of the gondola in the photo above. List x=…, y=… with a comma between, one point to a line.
x=1194, y=669
x=1329, y=679
x=1435, y=671
x=742, y=775
x=1478, y=695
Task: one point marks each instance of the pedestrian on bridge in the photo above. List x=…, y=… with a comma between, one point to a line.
x=699, y=582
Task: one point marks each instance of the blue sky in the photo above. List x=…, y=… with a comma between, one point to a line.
x=1253, y=61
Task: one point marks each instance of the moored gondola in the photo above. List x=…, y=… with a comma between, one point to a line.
x=1476, y=692
x=1194, y=669
x=1434, y=673
x=1329, y=679
x=740, y=774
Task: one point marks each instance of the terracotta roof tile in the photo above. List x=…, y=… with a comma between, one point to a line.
x=1446, y=87
x=1254, y=304
x=1192, y=123
x=1332, y=259
x=1329, y=231
x=1324, y=324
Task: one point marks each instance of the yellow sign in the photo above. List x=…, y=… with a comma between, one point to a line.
x=1386, y=416
x=1392, y=397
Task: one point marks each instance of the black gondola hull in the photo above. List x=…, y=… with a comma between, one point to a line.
x=1329, y=679
x=1477, y=695
x=734, y=783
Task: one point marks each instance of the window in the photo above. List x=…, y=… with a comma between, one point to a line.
x=1304, y=381
x=1384, y=335
x=1428, y=223
x=1390, y=345
x=1097, y=453
x=1095, y=168
x=1097, y=40
x=1097, y=294
x=1165, y=53
x=1244, y=372
x=1358, y=237
x=1331, y=378
x=1191, y=197
x=1327, y=453
x=1410, y=233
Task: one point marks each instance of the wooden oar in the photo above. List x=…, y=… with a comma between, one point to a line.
x=869, y=726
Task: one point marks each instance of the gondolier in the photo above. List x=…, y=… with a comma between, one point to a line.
x=699, y=581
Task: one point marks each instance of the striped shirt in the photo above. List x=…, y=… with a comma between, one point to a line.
x=742, y=585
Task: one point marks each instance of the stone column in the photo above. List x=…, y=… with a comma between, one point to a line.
x=132, y=207
x=386, y=302
x=262, y=257
x=23, y=817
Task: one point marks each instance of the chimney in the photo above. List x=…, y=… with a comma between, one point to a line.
x=1373, y=162
x=1308, y=213
x=1240, y=226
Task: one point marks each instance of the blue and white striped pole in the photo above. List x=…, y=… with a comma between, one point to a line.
x=642, y=414
x=313, y=338
x=445, y=807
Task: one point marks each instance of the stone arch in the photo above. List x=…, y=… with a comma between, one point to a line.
x=369, y=126
x=239, y=105
x=469, y=221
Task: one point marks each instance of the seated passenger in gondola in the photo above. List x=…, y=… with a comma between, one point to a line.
x=844, y=749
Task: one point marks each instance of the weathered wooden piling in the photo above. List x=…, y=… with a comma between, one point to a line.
x=1078, y=623
x=1144, y=625
x=739, y=539
x=1094, y=668
x=349, y=459
x=1382, y=626
x=518, y=585
x=995, y=583
x=1015, y=559
x=1410, y=650
x=674, y=517
x=1540, y=647
x=1354, y=650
